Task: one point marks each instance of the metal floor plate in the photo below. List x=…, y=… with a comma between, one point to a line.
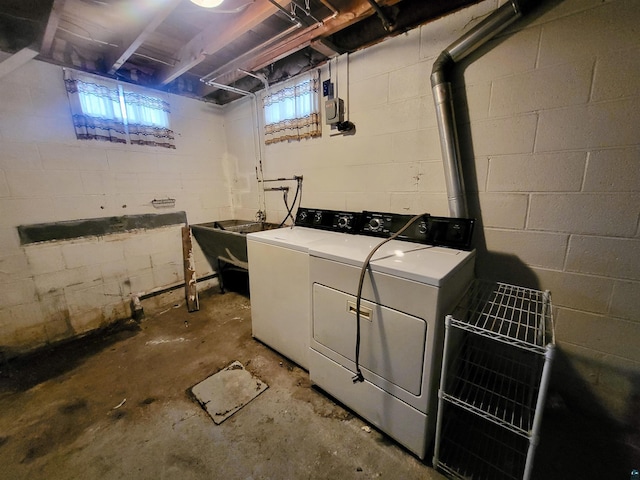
x=227, y=391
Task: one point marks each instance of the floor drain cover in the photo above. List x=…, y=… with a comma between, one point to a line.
x=227, y=391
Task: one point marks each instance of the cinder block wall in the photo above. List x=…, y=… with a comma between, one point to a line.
x=54, y=290
x=549, y=114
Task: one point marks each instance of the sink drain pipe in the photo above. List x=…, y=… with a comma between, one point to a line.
x=443, y=97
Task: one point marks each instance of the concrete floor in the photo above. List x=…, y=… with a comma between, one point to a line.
x=115, y=406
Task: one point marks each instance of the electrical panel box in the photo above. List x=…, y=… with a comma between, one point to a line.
x=334, y=111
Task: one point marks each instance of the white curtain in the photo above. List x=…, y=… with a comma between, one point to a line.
x=148, y=120
x=293, y=111
x=95, y=108
x=104, y=110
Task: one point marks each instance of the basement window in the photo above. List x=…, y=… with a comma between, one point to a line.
x=292, y=112
x=112, y=112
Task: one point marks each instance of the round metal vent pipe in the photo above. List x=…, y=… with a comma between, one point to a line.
x=443, y=97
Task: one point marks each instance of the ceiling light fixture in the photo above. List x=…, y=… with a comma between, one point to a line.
x=207, y=3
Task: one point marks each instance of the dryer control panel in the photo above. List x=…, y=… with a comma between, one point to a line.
x=380, y=224
x=428, y=230
x=450, y=232
x=334, y=220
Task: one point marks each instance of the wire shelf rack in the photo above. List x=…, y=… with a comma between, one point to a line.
x=499, y=344
x=472, y=448
x=516, y=315
x=499, y=384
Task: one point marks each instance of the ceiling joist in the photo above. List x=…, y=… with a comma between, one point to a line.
x=325, y=47
x=213, y=39
x=52, y=27
x=305, y=37
x=297, y=41
x=124, y=54
x=170, y=44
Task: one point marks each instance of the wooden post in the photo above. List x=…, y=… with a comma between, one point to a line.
x=190, y=288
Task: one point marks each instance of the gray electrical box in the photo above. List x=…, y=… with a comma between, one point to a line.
x=334, y=111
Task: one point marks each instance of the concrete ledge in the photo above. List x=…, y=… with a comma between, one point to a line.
x=66, y=230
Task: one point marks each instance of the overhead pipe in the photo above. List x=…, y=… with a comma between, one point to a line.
x=282, y=179
x=388, y=25
x=229, y=88
x=330, y=7
x=293, y=18
x=234, y=65
x=443, y=97
x=305, y=9
x=221, y=71
x=260, y=77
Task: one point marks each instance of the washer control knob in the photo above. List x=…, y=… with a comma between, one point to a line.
x=422, y=228
x=375, y=224
x=317, y=218
x=303, y=216
x=343, y=222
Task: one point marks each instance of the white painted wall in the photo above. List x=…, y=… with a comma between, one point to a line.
x=55, y=290
x=549, y=130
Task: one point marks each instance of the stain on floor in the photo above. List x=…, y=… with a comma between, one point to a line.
x=116, y=405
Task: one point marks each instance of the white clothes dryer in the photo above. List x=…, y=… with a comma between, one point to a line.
x=408, y=289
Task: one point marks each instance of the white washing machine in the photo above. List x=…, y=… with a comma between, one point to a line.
x=279, y=279
x=408, y=289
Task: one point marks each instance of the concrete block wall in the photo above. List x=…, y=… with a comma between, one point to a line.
x=548, y=115
x=243, y=159
x=55, y=290
x=575, y=171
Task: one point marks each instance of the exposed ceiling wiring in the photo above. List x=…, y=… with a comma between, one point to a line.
x=90, y=39
x=154, y=59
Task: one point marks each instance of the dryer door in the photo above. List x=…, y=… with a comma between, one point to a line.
x=392, y=345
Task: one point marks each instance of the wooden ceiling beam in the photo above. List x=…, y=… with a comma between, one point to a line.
x=214, y=39
x=309, y=36
x=360, y=9
x=52, y=27
x=325, y=47
x=123, y=55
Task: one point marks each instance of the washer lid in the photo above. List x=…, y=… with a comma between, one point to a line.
x=295, y=238
x=421, y=263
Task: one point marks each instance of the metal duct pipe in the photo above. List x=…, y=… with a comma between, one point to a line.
x=443, y=97
x=229, y=88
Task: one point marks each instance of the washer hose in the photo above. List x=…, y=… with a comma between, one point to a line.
x=293, y=204
x=358, y=377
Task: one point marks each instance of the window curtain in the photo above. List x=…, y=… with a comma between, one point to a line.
x=148, y=120
x=104, y=110
x=293, y=111
x=95, y=108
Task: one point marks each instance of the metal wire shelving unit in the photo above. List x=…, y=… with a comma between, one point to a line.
x=499, y=345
